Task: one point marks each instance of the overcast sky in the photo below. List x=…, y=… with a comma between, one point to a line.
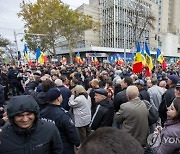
x=9, y=20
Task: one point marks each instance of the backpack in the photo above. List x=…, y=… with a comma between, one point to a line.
x=153, y=112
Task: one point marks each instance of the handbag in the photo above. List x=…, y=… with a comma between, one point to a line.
x=154, y=140
x=153, y=112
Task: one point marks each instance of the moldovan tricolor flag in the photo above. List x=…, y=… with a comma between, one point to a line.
x=143, y=58
x=161, y=59
x=26, y=56
x=138, y=66
x=78, y=58
x=149, y=63
x=64, y=60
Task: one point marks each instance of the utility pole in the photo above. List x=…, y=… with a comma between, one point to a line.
x=15, y=40
x=33, y=34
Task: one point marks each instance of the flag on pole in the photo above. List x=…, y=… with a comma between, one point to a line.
x=143, y=57
x=40, y=56
x=119, y=60
x=26, y=53
x=64, y=60
x=149, y=62
x=161, y=59
x=96, y=62
x=27, y=56
x=138, y=66
x=78, y=58
x=111, y=59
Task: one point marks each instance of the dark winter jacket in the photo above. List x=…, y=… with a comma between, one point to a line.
x=93, y=103
x=12, y=76
x=103, y=115
x=167, y=99
x=2, y=99
x=64, y=123
x=42, y=100
x=144, y=95
x=42, y=138
x=119, y=99
x=66, y=94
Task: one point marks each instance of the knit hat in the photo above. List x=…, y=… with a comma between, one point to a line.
x=53, y=93
x=101, y=91
x=173, y=78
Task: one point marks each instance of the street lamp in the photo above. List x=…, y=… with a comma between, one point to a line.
x=33, y=34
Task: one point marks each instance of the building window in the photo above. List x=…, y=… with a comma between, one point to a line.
x=178, y=50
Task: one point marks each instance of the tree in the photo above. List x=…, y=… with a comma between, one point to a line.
x=140, y=18
x=74, y=26
x=53, y=19
x=7, y=48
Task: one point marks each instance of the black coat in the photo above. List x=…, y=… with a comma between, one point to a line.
x=66, y=94
x=167, y=99
x=119, y=99
x=12, y=76
x=63, y=121
x=93, y=103
x=42, y=138
x=37, y=140
x=42, y=100
x=144, y=95
x=103, y=115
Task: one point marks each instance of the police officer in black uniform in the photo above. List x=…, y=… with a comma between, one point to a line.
x=56, y=114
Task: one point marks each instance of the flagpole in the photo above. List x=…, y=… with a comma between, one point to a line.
x=156, y=52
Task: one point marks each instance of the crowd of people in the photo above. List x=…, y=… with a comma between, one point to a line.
x=88, y=109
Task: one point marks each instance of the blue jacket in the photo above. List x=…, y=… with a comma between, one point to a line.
x=64, y=123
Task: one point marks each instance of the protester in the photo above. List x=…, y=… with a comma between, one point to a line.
x=94, y=85
x=170, y=134
x=120, y=97
x=25, y=133
x=13, y=80
x=168, y=97
x=163, y=85
x=143, y=94
x=133, y=116
x=104, y=113
x=3, y=117
x=80, y=102
x=108, y=140
x=66, y=93
x=156, y=93
x=41, y=96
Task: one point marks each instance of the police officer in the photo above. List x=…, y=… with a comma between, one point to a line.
x=56, y=114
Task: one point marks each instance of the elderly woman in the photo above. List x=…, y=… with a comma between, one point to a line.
x=80, y=102
x=170, y=134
